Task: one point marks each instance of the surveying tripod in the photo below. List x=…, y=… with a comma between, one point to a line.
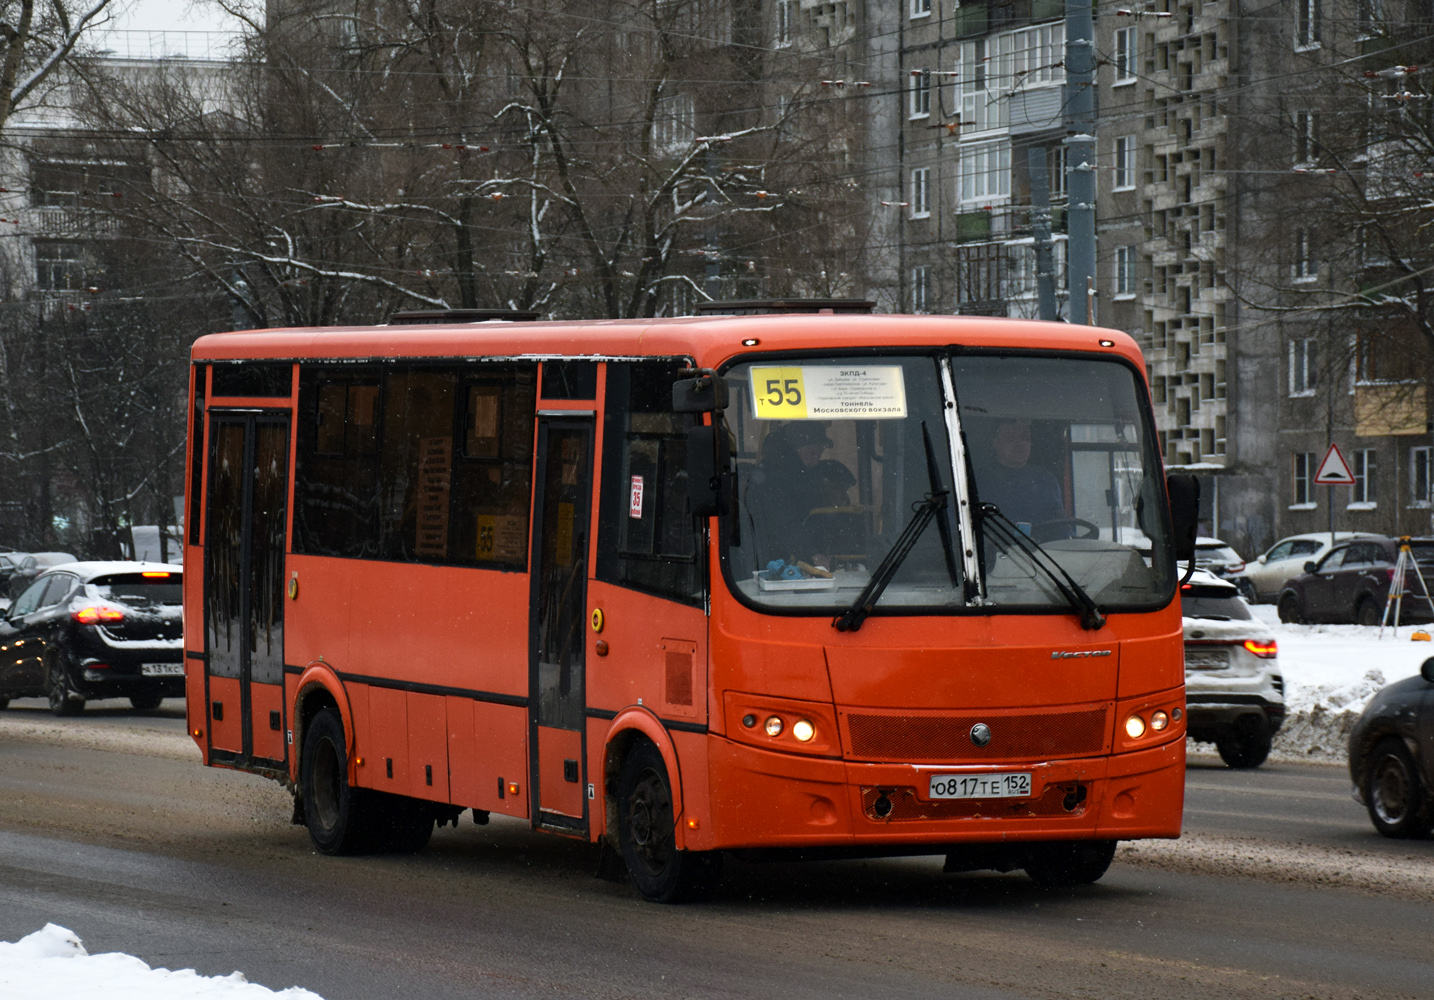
x=1395, y=600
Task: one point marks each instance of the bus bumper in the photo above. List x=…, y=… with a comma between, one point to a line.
x=765, y=799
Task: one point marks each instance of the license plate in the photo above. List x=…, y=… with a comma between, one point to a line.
x=1014, y=785
x=1207, y=659
x=162, y=669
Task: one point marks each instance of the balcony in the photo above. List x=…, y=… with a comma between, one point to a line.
x=68, y=222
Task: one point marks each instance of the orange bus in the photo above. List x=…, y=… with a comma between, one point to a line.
x=785, y=583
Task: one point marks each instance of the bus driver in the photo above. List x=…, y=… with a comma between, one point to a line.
x=1026, y=494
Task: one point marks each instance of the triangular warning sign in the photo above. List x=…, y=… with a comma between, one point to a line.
x=1334, y=471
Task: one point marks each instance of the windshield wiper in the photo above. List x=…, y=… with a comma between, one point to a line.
x=934, y=506
x=1091, y=617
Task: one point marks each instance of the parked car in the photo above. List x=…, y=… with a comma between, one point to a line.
x=1351, y=584
x=95, y=630
x=1391, y=756
x=1217, y=557
x=31, y=565
x=1234, y=691
x=1264, y=577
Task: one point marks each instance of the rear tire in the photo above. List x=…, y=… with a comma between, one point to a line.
x=1244, y=751
x=659, y=871
x=63, y=701
x=145, y=702
x=1290, y=610
x=1065, y=863
x=1397, y=801
x=1368, y=612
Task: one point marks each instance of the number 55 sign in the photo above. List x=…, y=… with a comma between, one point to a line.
x=827, y=392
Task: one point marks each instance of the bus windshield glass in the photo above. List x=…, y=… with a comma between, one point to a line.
x=1062, y=448
x=831, y=461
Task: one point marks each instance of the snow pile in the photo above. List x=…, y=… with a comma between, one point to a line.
x=1331, y=672
x=52, y=962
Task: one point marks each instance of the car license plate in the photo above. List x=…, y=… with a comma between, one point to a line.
x=1207, y=659
x=162, y=669
x=1012, y=785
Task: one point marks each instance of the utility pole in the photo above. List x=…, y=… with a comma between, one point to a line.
x=1080, y=157
x=1041, y=231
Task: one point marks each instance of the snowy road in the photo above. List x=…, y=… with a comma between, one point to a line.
x=110, y=828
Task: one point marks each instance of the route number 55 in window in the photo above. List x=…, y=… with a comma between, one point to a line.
x=828, y=392
x=779, y=393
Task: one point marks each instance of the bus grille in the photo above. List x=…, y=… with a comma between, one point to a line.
x=947, y=738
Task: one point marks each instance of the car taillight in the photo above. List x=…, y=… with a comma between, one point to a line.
x=96, y=613
x=1235, y=568
x=1389, y=574
x=1264, y=650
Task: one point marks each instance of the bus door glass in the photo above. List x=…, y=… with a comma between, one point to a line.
x=563, y=507
x=244, y=584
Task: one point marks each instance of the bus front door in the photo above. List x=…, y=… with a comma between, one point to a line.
x=244, y=587
x=557, y=689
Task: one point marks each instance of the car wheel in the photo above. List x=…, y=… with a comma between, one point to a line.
x=1247, y=590
x=145, y=702
x=1069, y=862
x=333, y=811
x=1397, y=802
x=1368, y=612
x=1290, y=610
x=1243, y=751
x=660, y=872
x=63, y=701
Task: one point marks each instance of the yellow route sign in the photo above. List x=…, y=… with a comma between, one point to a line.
x=828, y=392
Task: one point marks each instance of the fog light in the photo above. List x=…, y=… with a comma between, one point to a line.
x=1135, y=727
x=774, y=726
x=1159, y=721
x=1175, y=714
x=749, y=720
x=803, y=730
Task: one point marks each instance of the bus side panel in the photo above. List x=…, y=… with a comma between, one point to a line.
x=487, y=748
x=316, y=621
x=696, y=819
x=226, y=727
x=194, y=710
x=561, y=794
x=656, y=654
x=266, y=704
x=428, y=746
x=386, y=742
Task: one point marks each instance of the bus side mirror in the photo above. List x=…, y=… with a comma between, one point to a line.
x=1184, y=492
x=708, y=481
x=707, y=393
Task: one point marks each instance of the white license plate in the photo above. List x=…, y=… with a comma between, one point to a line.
x=1012, y=785
x=162, y=669
x=1207, y=659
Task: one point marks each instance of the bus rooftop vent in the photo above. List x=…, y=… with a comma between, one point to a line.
x=416, y=317
x=766, y=307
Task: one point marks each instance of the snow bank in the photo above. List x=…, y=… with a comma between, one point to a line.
x=52, y=962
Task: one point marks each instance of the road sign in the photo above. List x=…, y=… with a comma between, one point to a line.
x=1334, y=470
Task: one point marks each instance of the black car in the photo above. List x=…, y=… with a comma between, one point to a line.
x=1391, y=756
x=95, y=630
x=1351, y=583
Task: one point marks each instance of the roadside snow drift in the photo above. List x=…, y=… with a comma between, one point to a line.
x=52, y=962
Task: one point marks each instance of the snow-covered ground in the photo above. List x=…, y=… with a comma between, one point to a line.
x=1330, y=672
x=52, y=963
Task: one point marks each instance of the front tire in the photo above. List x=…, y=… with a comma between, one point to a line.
x=1290, y=610
x=1395, y=796
x=659, y=871
x=1244, y=751
x=1368, y=612
x=63, y=701
x=1066, y=863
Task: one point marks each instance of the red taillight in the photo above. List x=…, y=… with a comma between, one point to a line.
x=1264, y=650
x=97, y=613
x=1235, y=568
x=1389, y=574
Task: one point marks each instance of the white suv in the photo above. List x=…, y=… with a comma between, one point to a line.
x=1234, y=692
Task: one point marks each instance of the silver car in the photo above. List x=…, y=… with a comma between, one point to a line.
x=1234, y=691
x=1264, y=576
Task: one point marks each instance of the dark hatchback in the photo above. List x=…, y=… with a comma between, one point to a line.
x=1351, y=584
x=1391, y=756
x=90, y=630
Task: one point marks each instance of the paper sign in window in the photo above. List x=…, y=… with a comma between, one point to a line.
x=435, y=477
x=634, y=503
x=502, y=537
x=828, y=392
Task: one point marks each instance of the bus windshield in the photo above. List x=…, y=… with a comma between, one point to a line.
x=835, y=455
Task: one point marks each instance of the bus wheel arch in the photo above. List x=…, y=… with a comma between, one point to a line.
x=630, y=729
x=320, y=688
x=648, y=831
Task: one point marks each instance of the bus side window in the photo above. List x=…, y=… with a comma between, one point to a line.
x=493, y=484
x=647, y=538
x=335, y=488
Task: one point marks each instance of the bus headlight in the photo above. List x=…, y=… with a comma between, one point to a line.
x=774, y=726
x=1135, y=727
x=1159, y=720
x=803, y=730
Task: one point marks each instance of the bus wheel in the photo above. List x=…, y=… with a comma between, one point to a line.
x=660, y=872
x=333, y=811
x=1069, y=862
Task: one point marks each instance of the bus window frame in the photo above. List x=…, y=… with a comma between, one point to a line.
x=938, y=353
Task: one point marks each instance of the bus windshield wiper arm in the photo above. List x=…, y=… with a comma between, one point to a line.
x=1090, y=616
x=850, y=620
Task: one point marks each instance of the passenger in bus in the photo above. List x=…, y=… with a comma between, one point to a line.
x=1027, y=494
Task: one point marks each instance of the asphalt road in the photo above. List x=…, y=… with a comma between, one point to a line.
x=108, y=826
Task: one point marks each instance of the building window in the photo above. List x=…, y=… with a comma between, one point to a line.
x=920, y=93
x=1362, y=493
x=675, y=123
x=920, y=193
x=1371, y=18
x=1303, y=479
x=1306, y=266
x=1307, y=23
x=1419, y=476
x=1123, y=58
x=1304, y=361
x=920, y=8
x=1125, y=271
x=920, y=288
x=1124, y=162
x=59, y=266
x=985, y=172
x=1304, y=137
x=1058, y=173
x=784, y=22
